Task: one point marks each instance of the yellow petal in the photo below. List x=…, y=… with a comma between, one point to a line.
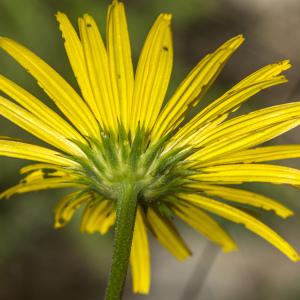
x=233, y=98
x=32, y=152
x=38, y=109
x=140, y=256
x=265, y=73
x=246, y=131
x=167, y=235
x=35, y=167
x=238, y=216
x=64, y=96
x=98, y=216
x=252, y=121
x=177, y=141
x=66, y=207
x=36, y=126
x=249, y=139
x=76, y=57
x=96, y=58
x=243, y=197
x=107, y=223
x=260, y=154
x=249, y=173
x=35, y=175
x=206, y=225
x=153, y=74
x=38, y=184
x=120, y=63
x=194, y=87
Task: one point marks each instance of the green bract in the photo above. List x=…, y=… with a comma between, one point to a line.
x=156, y=171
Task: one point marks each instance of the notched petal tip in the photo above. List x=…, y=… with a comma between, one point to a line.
x=284, y=64
x=165, y=17
x=235, y=42
x=116, y=3
x=240, y=36
x=288, y=214
x=89, y=20
x=59, y=14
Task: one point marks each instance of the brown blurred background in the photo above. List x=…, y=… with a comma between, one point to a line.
x=37, y=262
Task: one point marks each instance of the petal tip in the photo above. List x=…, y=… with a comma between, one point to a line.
x=141, y=291
x=295, y=257
x=60, y=15
x=239, y=37
x=285, y=64
x=166, y=17
x=230, y=248
x=57, y=225
x=3, y=40
x=286, y=214
x=238, y=40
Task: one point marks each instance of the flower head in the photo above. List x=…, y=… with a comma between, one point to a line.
x=117, y=132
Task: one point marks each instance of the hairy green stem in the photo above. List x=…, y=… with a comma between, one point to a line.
x=126, y=212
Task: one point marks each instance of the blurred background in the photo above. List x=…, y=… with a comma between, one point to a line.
x=38, y=262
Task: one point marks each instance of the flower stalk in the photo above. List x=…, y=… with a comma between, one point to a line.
x=124, y=227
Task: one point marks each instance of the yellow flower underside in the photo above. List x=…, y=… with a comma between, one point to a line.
x=233, y=98
x=120, y=63
x=112, y=94
x=193, y=87
x=64, y=96
x=98, y=217
x=206, y=225
x=243, y=197
x=22, y=150
x=238, y=216
x=140, y=256
x=168, y=236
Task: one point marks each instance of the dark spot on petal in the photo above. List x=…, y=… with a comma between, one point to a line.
x=165, y=48
x=88, y=25
x=62, y=221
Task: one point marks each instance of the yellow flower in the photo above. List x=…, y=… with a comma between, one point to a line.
x=117, y=130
